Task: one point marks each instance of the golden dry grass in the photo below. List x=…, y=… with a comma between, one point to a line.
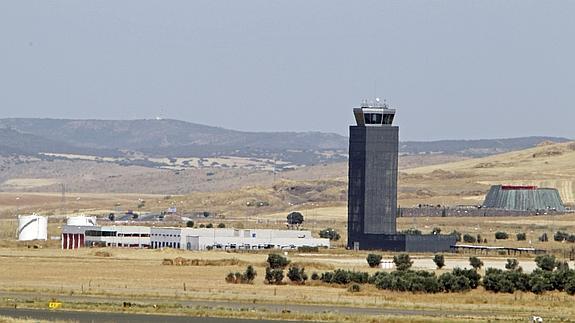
x=140, y=273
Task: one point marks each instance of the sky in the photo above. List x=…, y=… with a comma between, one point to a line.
x=453, y=69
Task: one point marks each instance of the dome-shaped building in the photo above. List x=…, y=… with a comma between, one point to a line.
x=523, y=198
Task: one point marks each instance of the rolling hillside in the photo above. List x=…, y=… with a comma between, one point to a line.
x=550, y=165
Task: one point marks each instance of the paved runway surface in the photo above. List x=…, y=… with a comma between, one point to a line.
x=113, y=317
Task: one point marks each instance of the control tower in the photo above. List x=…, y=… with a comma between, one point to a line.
x=372, y=190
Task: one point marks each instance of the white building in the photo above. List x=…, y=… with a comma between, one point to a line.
x=186, y=238
x=74, y=237
x=202, y=239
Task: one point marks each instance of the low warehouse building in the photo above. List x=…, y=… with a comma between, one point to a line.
x=202, y=239
x=74, y=237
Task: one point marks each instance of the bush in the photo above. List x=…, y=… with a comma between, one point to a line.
x=469, y=238
x=540, y=281
x=457, y=235
x=560, y=236
x=521, y=236
x=470, y=274
x=374, y=260
x=330, y=234
x=295, y=218
x=512, y=264
x=543, y=238
x=453, y=283
x=402, y=262
x=221, y=225
x=276, y=261
x=190, y=224
x=209, y=225
x=545, y=262
x=249, y=275
x=412, y=232
x=231, y=278
x=408, y=280
x=246, y=278
x=378, y=275
x=315, y=276
x=274, y=276
x=202, y=225
x=479, y=240
x=355, y=288
x=439, y=261
x=308, y=249
x=501, y=235
x=343, y=277
x=297, y=275
x=570, y=286
x=475, y=262
x=436, y=231
x=327, y=277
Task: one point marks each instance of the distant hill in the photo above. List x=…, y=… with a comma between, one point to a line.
x=175, y=138
x=474, y=148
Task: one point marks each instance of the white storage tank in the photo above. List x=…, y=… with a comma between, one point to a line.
x=81, y=220
x=32, y=227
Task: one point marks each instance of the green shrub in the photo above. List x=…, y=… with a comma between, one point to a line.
x=209, y=225
x=570, y=286
x=470, y=274
x=560, y=236
x=475, y=262
x=221, y=225
x=274, y=276
x=439, y=261
x=190, y=224
x=378, y=275
x=330, y=234
x=409, y=281
x=374, y=260
x=521, y=236
x=469, y=238
x=454, y=283
x=249, y=275
x=276, y=261
x=315, y=276
x=436, y=231
x=355, y=288
x=540, y=281
x=512, y=264
x=297, y=275
x=545, y=262
x=412, y=232
x=341, y=277
x=543, y=237
x=402, y=261
x=501, y=235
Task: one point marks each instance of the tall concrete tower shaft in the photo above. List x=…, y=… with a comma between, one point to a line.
x=373, y=157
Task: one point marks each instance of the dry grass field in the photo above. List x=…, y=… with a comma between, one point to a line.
x=139, y=274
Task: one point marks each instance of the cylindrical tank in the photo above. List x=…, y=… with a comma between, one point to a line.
x=32, y=227
x=82, y=220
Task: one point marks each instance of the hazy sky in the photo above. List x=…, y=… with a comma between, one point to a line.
x=454, y=69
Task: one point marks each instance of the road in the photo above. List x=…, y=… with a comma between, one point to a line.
x=38, y=314
x=20, y=297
